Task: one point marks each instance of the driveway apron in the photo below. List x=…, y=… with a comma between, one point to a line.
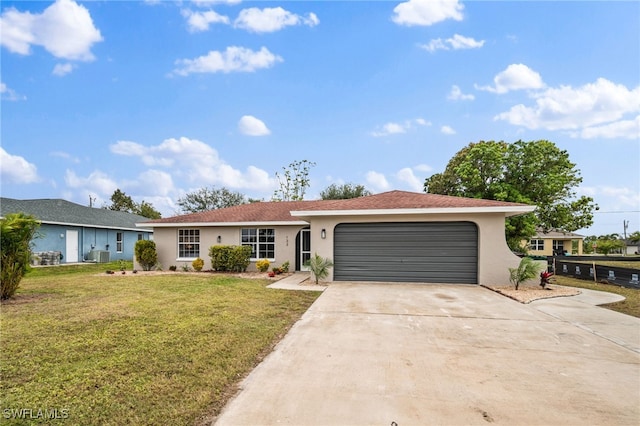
x=416, y=354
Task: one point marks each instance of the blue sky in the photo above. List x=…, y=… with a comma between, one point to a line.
x=160, y=98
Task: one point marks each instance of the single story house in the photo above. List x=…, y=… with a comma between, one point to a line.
x=393, y=236
x=554, y=243
x=632, y=247
x=71, y=233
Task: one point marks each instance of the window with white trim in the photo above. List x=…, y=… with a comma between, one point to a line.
x=261, y=240
x=536, y=245
x=119, y=241
x=188, y=243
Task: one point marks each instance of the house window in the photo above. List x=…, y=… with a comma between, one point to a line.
x=536, y=245
x=558, y=247
x=139, y=237
x=119, y=240
x=262, y=242
x=188, y=243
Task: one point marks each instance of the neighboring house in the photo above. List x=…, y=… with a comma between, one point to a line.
x=394, y=236
x=79, y=233
x=554, y=243
x=632, y=247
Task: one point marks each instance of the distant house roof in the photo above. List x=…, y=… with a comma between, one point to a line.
x=62, y=212
x=295, y=212
x=557, y=234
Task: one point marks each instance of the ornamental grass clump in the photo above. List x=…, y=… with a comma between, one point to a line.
x=526, y=270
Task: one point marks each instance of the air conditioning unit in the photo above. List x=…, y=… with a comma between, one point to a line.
x=99, y=256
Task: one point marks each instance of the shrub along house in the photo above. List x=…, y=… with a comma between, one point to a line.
x=394, y=236
x=71, y=233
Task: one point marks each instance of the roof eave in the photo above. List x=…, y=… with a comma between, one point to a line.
x=222, y=224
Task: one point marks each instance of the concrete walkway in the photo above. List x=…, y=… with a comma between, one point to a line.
x=378, y=354
x=298, y=281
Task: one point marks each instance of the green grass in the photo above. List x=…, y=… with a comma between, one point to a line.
x=629, y=306
x=144, y=350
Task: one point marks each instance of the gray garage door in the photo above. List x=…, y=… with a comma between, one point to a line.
x=433, y=252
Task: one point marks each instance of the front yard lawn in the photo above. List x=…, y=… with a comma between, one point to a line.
x=135, y=349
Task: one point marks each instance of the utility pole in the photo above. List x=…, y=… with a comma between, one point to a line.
x=625, y=225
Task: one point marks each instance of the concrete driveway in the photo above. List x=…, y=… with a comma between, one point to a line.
x=409, y=354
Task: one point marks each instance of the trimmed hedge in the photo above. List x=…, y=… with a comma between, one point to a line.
x=230, y=258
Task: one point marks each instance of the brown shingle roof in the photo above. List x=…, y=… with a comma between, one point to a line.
x=280, y=211
x=406, y=200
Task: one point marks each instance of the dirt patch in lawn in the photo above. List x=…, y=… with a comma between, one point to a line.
x=529, y=293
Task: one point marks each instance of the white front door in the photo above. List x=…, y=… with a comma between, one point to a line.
x=72, y=247
x=305, y=248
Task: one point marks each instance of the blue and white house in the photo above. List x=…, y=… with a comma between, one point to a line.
x=72, y=233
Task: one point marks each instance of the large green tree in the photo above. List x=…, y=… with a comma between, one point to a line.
x=343, y=192
x=205, y=199
x=534, y=172
x=121, y=202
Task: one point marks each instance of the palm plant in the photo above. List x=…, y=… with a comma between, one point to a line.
x=319, y=266
x=526, y=270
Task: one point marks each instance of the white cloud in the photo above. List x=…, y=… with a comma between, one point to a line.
x=65, y=29
x=154, y=183
x=16, y=169
x=447, y=130
x=627, y=129
x=62, y=69
x=456, y=42
x=251, y=126
x=619, y=198
x=407, y=176
x=200, y=21
x=515, y=77
x=272, y=19
x=457, y=95
x=66, y=156
x=196, y=162
x=233, y=59
x=377, y=181
x=389, y=129
x=597, y=109
x=423, y=168
x=396, y=128
x=96, y=183
x=427, y=12
x=10, y=94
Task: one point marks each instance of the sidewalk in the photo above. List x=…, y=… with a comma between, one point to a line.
x=583, y=311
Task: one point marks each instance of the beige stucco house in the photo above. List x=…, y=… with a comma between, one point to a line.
x=394, y=236
x=555, y=243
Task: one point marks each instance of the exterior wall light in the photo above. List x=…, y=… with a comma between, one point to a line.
x=219, y=239
x=323, y=234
